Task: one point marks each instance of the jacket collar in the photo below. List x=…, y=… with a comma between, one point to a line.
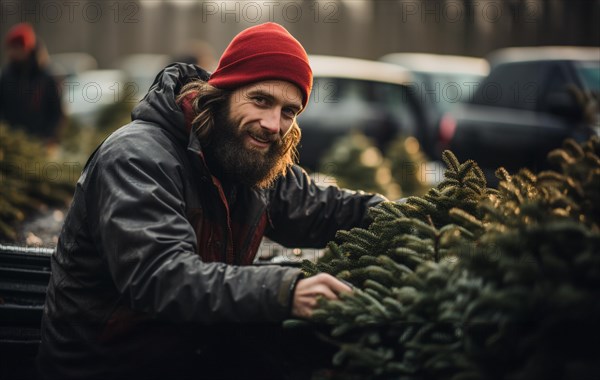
x=159, y=105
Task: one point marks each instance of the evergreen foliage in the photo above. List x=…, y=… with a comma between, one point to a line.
x=408, y=165
x=29, y=180
x=356, y=163
x=469, y=282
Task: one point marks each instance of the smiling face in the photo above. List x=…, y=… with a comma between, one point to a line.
x=265, y=112
x=255, y=137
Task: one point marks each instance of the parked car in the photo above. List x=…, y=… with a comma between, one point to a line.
x=87, y=94
x=140, y=71
x=531, y=101
x=354, y=94
x=440, y=82
x=64, y=65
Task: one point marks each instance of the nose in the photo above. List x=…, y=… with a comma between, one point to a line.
x=270, y=120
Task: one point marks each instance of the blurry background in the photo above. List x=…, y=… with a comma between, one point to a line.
x=109, y=30
x=371, y=125
x=378, y=117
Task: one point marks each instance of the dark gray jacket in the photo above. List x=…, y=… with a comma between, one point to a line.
x=153, y=250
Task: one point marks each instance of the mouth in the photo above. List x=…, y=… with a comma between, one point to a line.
x=259, y=141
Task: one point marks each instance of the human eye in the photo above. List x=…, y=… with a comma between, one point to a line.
x=290, y=112
x=260, y=100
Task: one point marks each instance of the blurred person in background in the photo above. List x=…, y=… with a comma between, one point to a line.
x=152, y=275
x=29, y=95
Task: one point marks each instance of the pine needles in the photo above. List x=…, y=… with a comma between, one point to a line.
x=469, y=282
x=28, y=180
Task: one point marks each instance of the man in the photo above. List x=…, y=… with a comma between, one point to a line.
x=29, y=95
x=151, y=277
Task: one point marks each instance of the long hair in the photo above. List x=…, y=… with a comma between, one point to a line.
x=209, y=101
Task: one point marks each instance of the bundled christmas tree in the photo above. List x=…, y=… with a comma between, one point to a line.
x=469, y=282
x=29, y=180
x=408, y=165
x=356, y=163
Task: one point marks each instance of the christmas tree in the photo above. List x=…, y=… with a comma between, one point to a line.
x=29, y=179
x=356, y=163
x=469, y=282
x=408, y=165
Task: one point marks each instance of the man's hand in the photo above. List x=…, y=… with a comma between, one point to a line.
x=309, y=289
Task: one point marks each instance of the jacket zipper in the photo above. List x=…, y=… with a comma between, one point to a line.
x=251, y=233
x=227, y=230
x=248, y=239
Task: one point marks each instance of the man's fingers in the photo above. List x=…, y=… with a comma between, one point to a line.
x=317, y=290
x=308, y=290
x=326, y=292
x=341, y=287
x=338, y=286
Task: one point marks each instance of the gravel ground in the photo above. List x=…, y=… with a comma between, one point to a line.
x=43, y=229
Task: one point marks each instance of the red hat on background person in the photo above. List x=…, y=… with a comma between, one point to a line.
x=21, y=35
x=264, y=52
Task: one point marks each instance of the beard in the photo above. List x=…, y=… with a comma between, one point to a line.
x=231, y=161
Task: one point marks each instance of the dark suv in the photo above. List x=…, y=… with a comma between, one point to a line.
x=530, y=102
x=357, y=95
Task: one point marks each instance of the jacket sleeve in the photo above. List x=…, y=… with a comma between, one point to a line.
x=136, y=213
x=304, y=214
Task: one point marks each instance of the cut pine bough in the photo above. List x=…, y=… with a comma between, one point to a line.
x=469, y=282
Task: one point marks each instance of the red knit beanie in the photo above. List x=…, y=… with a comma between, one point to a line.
x=21, y=35
x=263, y=52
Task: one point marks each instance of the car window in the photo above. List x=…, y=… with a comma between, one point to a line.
x=325, y=91
x=347, y=101
x=399, y=103
x=557, y=81
x=444, y=90
x=512, y=85
x=590, y=74
x=357, y=89
x=329, y=92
